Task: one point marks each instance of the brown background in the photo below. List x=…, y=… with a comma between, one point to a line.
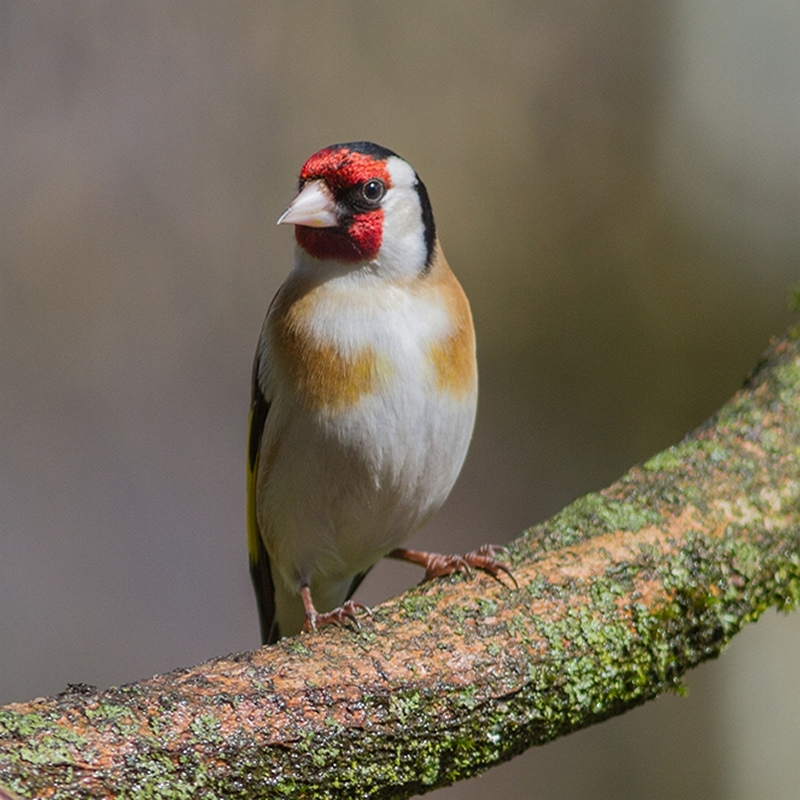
x=616, y=183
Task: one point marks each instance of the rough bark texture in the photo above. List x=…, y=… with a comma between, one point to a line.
x=618, y=596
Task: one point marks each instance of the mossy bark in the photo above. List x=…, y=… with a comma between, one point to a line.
x=618, y=595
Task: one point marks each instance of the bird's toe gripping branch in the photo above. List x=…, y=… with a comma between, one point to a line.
x=345, y=614
x=438, y=565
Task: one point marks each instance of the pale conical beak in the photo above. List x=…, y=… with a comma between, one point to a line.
x=313, y=207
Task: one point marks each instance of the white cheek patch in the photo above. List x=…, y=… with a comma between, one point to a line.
x=401, y=172
x=403, y=250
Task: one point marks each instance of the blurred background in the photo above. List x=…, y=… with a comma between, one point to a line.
x=617, y=185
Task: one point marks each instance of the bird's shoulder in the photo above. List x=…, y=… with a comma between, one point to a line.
x=453, y=355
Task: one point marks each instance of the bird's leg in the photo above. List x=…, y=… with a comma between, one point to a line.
x=437, y=564
x=338, y=616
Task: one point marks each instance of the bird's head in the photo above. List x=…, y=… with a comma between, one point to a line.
x=361, y=203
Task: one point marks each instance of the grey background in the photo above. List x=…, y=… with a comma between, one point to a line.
x=617, y=184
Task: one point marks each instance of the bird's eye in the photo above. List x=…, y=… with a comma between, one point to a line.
x=373, y=190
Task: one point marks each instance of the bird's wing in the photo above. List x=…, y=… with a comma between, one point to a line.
x=260, y=570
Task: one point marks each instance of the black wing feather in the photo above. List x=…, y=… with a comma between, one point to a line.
x=260, y=570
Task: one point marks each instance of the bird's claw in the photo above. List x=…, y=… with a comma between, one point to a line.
x=484, y=559
x=345, y=614
x=438, y=565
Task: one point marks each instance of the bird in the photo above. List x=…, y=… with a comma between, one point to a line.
x=364, y=393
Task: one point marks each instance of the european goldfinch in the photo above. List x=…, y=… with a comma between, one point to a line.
x=364, y=392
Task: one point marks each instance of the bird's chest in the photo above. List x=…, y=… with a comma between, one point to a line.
x=344, y=357
x=380, y=385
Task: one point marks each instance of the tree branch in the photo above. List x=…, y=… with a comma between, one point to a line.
x=619, y=594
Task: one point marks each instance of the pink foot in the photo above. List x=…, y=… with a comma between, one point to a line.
x=343, y=615
x=438, y=565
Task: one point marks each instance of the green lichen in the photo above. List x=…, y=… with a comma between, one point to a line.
x=667, y=460
x=417, y=605
x=298, y=647
x=405, y=707
x=56, y=743
x=206, y=728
